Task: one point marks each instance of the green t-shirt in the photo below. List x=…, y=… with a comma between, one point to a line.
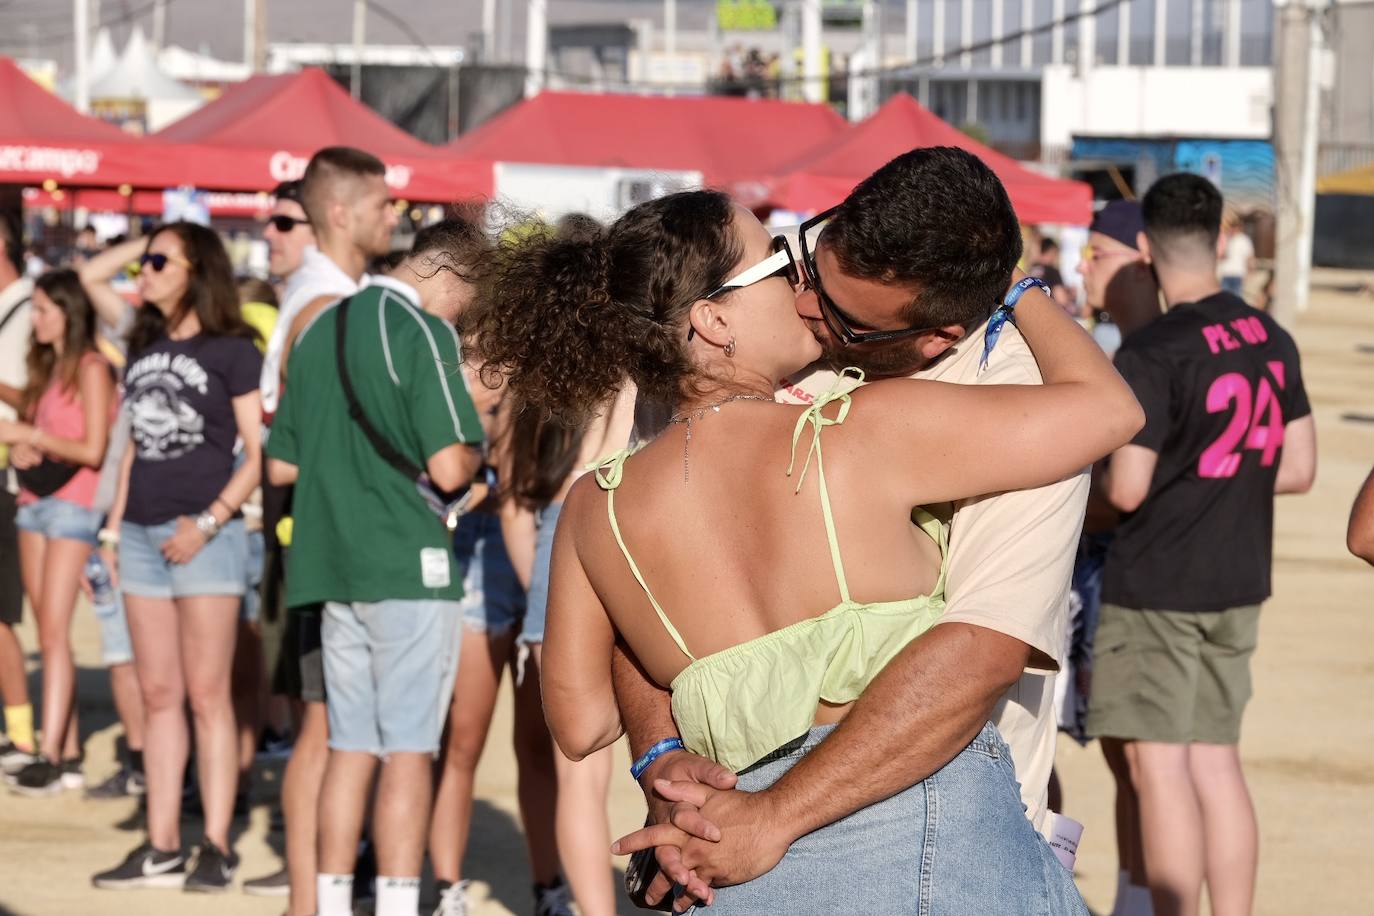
x=362, y=532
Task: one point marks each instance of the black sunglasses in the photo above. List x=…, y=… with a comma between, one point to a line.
x=287, y=223
x=158, y=260
x=839, y=323
x=779, y=263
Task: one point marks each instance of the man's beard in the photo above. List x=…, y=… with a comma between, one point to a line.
x=895, y=359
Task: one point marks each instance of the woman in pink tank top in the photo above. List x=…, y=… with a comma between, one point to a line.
x=68, y=405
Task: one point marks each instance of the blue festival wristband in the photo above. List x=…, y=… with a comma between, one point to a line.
x=1007, y=312
x=653, y=753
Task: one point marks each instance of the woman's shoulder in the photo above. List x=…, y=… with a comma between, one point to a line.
x=94, y=359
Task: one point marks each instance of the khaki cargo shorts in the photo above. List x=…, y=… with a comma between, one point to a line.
x=1175, y=677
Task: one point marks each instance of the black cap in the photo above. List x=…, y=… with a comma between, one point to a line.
x=288, y=190
x=1122, y=220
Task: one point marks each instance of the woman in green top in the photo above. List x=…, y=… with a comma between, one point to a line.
x=763, y=581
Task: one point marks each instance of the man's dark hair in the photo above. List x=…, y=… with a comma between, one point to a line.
x=1047, y=246
x=326, y=168
x=937, y=219
x=1182, y=215
x=289, y=190
x=455, y=244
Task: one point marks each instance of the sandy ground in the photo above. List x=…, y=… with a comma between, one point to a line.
x=1307, y=743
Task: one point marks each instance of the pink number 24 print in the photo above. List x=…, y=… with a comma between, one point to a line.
x=1256, y=424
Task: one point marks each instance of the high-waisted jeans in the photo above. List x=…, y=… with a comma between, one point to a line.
x=956, y=844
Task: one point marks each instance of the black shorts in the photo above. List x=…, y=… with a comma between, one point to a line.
x=11, y=585
x=299, y=671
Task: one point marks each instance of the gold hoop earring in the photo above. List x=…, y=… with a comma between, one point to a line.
x=730, y=349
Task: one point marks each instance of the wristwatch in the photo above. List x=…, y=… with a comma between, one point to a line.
x=207, y=524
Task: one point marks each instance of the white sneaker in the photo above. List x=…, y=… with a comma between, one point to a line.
x=453, y=900
x=72, y=775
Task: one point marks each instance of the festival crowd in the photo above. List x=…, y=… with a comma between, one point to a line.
x=839, y=527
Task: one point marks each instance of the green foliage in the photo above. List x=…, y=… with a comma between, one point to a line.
x=976, y=131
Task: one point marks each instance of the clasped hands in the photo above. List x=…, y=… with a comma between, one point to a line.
x=705, y=833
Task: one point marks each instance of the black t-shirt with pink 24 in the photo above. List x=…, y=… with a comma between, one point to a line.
x=1218, y=381
x=180, y=394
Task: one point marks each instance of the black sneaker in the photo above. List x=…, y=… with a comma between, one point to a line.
x=145, y=867
x=213, y=872
x=273, y=746
x=126, y=783
x=12, y=758
x=273, y=885
x=40, y=778
x=553, y=899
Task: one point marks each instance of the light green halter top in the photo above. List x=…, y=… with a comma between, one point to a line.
x=739, y=704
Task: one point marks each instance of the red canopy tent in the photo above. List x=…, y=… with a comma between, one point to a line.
x=264, y=131
x=42, y=138
x=731, y=141
x=824, y=175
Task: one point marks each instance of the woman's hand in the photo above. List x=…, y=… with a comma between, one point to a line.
x=184, y=543
x=24, y=456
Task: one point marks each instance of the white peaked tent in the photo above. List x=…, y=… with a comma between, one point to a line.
x=136, y=79
x=103, y=58
x=200, y=67
x=102, y=61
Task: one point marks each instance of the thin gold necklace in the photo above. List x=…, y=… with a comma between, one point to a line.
x=691, y=416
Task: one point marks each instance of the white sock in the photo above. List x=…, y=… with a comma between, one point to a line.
x=396, y=897
x=333, y=895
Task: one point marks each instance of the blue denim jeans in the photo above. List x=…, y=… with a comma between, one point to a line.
x=537, y=608
x=116, y=646
x=957, y=843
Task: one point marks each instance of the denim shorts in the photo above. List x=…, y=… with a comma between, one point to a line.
x=116, y=646
x=532, y=631
x=957, y=842
x=388, y=670
x=218, y=568
x=493, y=601
x=59, y=519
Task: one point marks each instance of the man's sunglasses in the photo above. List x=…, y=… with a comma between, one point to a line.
x=158, y=260
x=840, y=324
x=779, y=263
x=285, y=224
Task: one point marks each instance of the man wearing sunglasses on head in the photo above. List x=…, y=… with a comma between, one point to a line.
x=909, y=276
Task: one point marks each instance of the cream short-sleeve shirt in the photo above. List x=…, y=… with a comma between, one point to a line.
x=1011, y=557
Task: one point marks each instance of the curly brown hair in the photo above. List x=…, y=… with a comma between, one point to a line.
x=566, y=319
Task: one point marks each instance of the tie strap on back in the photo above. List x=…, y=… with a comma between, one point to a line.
x=838, y=392
x=611, y=469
